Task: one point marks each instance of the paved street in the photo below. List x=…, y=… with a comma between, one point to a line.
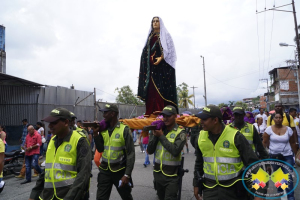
x=142, y=178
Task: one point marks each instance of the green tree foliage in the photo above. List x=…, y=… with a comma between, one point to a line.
x=222, y=104
x=241, y=104
x=126, y=96
x=230, y=103
x=184, y=99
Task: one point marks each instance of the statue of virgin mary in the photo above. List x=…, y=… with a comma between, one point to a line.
x=157, y=81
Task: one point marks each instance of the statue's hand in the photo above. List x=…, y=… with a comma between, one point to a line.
x=158, y=60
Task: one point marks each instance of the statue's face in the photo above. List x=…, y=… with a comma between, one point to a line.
x=155, y=23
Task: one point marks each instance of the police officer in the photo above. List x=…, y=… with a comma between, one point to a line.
x=222, y=152
x=67, y=164
x=118, y=157
x=167, y=145
x=77, y=128
x=249, y=131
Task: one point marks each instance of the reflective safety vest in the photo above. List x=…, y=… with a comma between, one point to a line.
x=222, y=162
x=165, y=162
x=247, y=131
x=113, y=156
x=60, y=165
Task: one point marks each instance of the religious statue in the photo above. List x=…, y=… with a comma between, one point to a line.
x=157, y=81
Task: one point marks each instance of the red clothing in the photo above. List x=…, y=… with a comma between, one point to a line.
x=35, y=139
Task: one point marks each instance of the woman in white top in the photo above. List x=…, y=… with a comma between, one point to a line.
x=260, y=126
x=279, y=139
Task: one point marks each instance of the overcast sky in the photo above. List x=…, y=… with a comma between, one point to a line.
x=95, y=43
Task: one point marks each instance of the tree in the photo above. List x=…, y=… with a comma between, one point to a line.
x=241, y=104
x=184, y=99
x=221, y=105
x=126, y=96
x=231, y=103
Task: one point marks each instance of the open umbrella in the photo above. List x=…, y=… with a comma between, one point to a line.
x=272, y=111
x=255, y=111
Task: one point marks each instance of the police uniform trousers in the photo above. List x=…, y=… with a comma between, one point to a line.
x=166, y=186
x=106, y=179
x=234, y=192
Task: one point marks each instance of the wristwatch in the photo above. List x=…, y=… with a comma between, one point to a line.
x=126, y=175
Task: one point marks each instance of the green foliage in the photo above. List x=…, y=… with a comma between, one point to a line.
x=241, y=104
x=230, y=103
x=184, y=99
x=126, y=96
x=222, y=104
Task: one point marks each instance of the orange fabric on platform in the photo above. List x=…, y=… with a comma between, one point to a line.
x=186, y=121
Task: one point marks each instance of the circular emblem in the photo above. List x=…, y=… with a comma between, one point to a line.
x=247, y=130
x=226, y=144
x=270, y=178
x=68, y=148
x=117, y=136
x=172, y=135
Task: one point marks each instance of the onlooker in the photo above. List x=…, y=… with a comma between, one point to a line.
x=249, y=118
x=145, y=145
x=279, y=139
x=24, y=134
x=79, y=124
x=3, y=135
x=259, y=126
x=2, y=150
x=41, y=131
x=267, y=113
x=263, y=116
x=140, y=143
x=293, y=113
x=32, y=151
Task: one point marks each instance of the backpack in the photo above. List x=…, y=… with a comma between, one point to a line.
x=287, y=116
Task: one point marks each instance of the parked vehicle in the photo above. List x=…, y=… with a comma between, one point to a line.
x=13, y=162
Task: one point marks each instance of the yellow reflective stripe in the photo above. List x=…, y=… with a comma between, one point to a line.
x=60, y=183
x=60, y=166
x=208, y=159
x=228, y=160
x=158, y=147
x=106, y=147
x=157, y=161
x=117, y=148
x=171, y=163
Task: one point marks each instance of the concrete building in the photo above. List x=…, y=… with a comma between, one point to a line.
x=283, y=87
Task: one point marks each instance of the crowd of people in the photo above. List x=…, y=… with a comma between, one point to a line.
x=69, y=146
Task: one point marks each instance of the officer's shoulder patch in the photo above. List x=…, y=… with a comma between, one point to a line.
x=182, y=136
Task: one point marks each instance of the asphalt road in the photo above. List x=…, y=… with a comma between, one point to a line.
x=142, y=179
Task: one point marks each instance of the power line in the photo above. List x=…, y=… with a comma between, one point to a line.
x=257, y=39
x=237, y=77
x=271, y=38
x=106, y=92
x=230, y=85
x=264, y=40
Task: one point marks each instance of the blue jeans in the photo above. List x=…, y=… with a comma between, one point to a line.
x=147, y=161
x=42, y=149
x=289, y=160
x=32, y=161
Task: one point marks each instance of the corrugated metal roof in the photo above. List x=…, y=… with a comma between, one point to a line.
x=6, y=79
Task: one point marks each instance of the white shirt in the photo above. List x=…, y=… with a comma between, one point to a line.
x=264, y=117
x=296, y=121
x=280, y=143
x=260, y=129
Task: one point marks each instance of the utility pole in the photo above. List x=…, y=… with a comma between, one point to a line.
x=268, y=103
x=205, y=97
x=296, y=30
x=194, y=95
x=95, y=106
